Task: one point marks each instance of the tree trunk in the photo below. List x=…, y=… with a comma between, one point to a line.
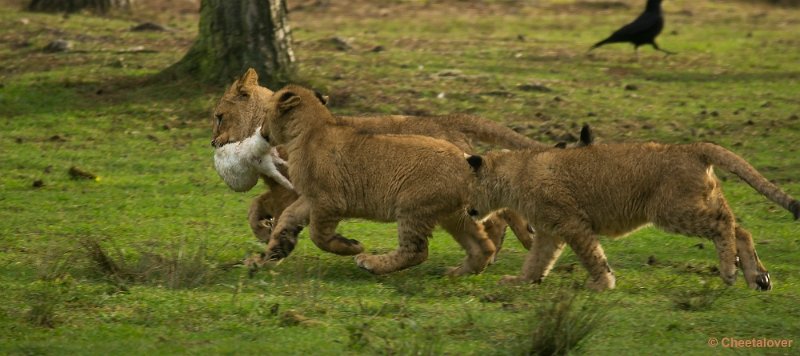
x=101, y=6
x=235, y=35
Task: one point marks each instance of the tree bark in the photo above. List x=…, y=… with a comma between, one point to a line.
x=235, y=35
x=101, y=6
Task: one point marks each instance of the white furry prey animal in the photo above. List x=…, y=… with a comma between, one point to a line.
x=241, y=163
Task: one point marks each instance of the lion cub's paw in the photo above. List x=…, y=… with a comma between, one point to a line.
x=763, y=282
x=455, y=271
x=511, y=280
x=341, y=245
x=258, y=261
x=367, y=262
x=253, y=262
x=607, y=281
x=462, y=271
x=263, y=230
x=266, y=224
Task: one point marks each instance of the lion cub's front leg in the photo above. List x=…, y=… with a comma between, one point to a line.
x=524, y=232
x=472, y=238
x=263, y=214
x=266, y=209
x=284, y=234
x=323, y=232
x=549, y=244
x=539, y=261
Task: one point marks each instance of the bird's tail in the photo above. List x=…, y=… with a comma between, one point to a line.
x=598, y=44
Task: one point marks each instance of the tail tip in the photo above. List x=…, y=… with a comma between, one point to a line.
x=587, y=136
x=794, y=207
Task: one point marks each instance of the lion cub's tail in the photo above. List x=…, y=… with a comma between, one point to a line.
x=488, y=131
x=717, y=155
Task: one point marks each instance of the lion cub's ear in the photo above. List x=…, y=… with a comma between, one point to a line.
x=475, y=161
x=245, y=84
x=322, y=98
x=287, y=101
x=250, y=77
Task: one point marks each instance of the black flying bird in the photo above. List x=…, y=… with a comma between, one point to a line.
x=641, y=31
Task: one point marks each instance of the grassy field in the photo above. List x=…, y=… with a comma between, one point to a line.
x=173, y=231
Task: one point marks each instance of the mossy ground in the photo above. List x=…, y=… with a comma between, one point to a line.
x=158, y=203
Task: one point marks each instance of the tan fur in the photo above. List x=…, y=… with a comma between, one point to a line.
x=341, y=172
x=242, y=108
x=242, y=100
x=574, y=195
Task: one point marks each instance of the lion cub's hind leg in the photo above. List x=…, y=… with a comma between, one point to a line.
x=413, y=236
x=472, y=238
x=323, y=234
x=755, y=273
x=710, y=218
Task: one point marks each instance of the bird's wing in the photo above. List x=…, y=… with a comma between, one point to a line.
x=642, y=23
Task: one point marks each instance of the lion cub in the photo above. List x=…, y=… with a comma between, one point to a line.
x=340, y=172
x=574, y=195
x=240, y=112
x=241, y=154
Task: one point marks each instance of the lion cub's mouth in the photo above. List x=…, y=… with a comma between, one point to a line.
x=216, y=144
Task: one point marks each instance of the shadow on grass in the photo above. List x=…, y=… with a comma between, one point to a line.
x=684, y=75
x=56, y=96
x=736, y=77
x=696, y=299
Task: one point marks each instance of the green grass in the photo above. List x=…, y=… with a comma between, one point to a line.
x=160, y=211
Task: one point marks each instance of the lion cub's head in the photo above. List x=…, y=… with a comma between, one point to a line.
x=483, y=195
x=292, y=110
x=240, y=110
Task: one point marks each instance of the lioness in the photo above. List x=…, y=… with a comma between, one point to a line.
x=577, y=194
x=240, y=112
x=342, y=172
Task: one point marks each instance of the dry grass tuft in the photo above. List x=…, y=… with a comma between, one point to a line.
x=563, y=324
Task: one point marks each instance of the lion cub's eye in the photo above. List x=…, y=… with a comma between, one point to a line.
x=244, y=95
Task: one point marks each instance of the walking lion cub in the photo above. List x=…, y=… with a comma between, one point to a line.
x=341, y=171
x=574, y=195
